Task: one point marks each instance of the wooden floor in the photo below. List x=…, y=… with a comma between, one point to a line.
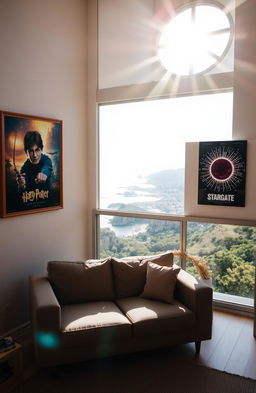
x=232, y=347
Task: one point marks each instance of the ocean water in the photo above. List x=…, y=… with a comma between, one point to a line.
x=124, y=230
x=137, y=193
x=141, y=193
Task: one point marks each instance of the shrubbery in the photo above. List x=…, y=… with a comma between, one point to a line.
x=231, y=258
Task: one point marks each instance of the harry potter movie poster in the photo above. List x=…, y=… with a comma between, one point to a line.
x=222, y=173
x=31, y=164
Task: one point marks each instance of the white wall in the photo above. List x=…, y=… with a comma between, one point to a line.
x=126, y=37
x=244, y=121
x=244, y=126
x=43, y=49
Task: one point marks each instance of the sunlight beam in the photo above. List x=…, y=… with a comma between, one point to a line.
x=172, y=81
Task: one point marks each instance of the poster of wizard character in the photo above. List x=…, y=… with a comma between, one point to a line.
x=31, y=164
x=222, y=173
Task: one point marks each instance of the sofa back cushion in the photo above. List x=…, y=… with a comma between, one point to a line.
x=129, y=276
x=130, y=273
x=79, y=282
x=165, y=259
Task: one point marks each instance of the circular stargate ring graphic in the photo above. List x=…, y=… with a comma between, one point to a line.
x=222, y=169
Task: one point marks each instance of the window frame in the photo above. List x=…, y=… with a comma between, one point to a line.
x=193, y=5
x=221, y=302
x=198, y=84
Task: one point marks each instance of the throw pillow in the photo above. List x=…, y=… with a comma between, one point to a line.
x=160, y=282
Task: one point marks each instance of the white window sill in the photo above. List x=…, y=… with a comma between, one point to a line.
x=239, y=300
x=237, y=304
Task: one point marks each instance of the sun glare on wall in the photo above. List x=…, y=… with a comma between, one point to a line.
x=196, y=39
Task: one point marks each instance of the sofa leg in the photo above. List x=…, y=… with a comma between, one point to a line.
x=198, y=346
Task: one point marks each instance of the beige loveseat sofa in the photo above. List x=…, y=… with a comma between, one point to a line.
x=97, y=308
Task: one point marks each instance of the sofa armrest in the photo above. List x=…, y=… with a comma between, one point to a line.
x=45, y=308
x=197, y=296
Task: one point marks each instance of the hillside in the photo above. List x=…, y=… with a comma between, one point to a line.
x=204, y=239
x=167, y=189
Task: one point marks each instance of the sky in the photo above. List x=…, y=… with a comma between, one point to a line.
x=140, y=138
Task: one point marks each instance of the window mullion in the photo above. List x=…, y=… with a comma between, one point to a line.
x=183, y=241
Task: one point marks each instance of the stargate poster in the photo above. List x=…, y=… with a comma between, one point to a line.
x=222, y=173
x=31, y=164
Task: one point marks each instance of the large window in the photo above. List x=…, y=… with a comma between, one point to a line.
x=142, y=149
x=165, y=77
x=125, y=236
x=230, y=252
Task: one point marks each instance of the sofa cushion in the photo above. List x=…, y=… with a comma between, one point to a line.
x=92, y=322
x=160, y=282
x=130, y=273
x=151, y=317
x=129, y=276
x=79, y=282
x=165, y=259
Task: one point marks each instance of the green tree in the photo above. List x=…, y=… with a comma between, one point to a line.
x=246, y=251
x=238, y=280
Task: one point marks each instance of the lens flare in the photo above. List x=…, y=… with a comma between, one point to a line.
x=47, y=340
